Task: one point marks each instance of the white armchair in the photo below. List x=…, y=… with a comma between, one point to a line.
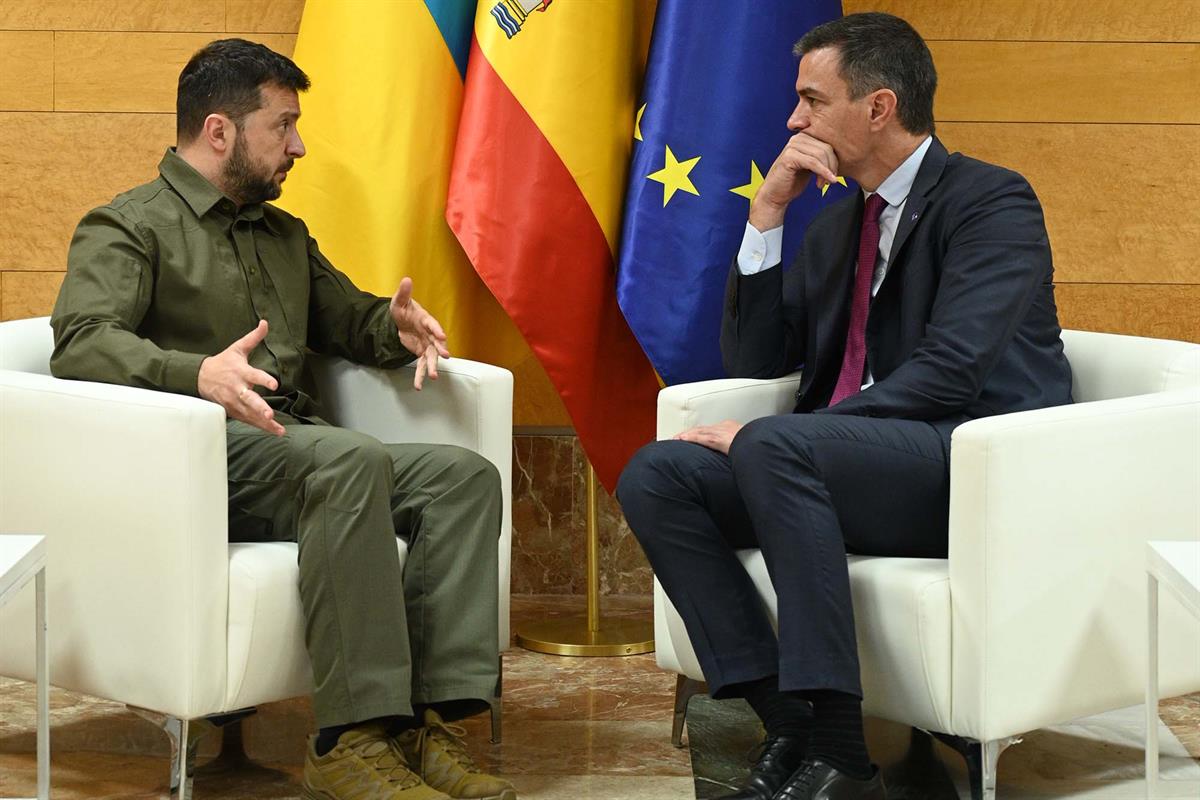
x=149, y=603
x=1038, y=616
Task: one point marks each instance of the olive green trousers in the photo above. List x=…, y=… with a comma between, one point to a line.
x=380, y=638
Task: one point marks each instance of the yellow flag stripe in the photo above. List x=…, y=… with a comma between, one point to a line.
x=585, y=105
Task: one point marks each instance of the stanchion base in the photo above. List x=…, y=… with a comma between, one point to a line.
x=571, y=637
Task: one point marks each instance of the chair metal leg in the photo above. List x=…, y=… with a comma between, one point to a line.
x=43, y=689
x=685, y=689
x=185, y=736
x=982, y=760
x=1152, y=769
x=497, y=710
x=497, y=703
x=233, y=750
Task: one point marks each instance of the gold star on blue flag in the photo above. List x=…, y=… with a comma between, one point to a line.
x=748, y=190
x=674, y=176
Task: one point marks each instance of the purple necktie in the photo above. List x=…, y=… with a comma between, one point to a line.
x=850, y=378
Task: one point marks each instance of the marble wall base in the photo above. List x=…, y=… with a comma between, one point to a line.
x=550, y=524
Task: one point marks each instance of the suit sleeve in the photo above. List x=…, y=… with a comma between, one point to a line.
x=103, y=299
x=764, y=322
x=348, y=322
x=997, y=256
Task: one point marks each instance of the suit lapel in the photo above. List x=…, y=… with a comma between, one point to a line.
x=928, y=175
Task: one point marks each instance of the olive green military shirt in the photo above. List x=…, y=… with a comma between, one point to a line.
x=171, y=272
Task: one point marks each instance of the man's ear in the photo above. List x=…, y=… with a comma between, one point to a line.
x=219, y=132
x=882, y=108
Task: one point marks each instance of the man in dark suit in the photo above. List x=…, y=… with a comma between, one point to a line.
x=924, y=301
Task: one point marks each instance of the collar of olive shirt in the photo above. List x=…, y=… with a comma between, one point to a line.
x=201, y=195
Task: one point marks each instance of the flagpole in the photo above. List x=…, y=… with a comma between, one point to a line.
x=592, y=636
x=593, y=555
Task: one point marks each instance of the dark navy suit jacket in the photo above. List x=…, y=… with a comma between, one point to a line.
x=964, y=324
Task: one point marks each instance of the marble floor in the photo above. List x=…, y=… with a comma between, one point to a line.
x=586, y=729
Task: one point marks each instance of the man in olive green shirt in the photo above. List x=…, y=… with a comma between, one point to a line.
x=192, y=283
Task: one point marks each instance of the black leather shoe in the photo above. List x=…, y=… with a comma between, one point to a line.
x=778, y=758
x=816, y=780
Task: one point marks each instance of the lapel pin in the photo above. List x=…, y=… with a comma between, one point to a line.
x=915, y=215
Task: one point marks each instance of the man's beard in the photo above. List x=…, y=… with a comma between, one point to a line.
x=244, y=179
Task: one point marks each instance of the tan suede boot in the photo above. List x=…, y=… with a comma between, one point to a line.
x=437, y=753
x=364, y=765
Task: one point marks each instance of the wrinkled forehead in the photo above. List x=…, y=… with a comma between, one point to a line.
x=820, y=74
x=279, y=100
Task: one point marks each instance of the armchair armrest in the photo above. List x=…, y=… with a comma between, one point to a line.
x=706, y=402
x=129, y=485
x=1049, y=514
x=469, y=405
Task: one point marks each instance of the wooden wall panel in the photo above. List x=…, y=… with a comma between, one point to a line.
x=1067, y=82
x=1113, y=213
x=26, y=70
x=57, y=166
x=1165, y=312
x=263, y=16
x=28, y=294
x=139, y=72
x=1037, y=20
x=113, y=15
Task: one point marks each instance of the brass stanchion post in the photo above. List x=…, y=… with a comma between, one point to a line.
x=593, y=636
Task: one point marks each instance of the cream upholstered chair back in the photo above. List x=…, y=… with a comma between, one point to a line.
x=1106, y=366
x=26, y=345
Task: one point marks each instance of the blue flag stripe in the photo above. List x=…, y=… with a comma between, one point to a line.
x=455, y=19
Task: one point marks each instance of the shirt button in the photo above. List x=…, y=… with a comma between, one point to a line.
x=758, y=255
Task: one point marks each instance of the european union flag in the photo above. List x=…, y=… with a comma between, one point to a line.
x=720, y=85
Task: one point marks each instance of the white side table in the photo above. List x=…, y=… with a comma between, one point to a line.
x=1177, y=565
x=23, y=557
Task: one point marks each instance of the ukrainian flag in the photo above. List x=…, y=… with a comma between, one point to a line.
x=380, y=124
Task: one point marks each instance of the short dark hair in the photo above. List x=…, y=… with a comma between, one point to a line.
x=226, y=77
x=880, y=51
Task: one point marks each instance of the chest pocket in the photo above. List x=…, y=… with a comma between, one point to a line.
x=285, y=276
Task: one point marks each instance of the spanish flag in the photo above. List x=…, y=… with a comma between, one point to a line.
x=536, y=193
x=379, y=124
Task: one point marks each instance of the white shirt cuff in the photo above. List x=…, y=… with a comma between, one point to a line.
x=760, y=250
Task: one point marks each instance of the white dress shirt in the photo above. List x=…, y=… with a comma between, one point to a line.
x=764, y=250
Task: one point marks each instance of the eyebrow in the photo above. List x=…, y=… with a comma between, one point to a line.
x=809, y=91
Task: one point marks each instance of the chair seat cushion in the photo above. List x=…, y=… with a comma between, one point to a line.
x=902, y=616
x=267, y=657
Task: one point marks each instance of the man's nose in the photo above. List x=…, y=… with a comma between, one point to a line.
x=798, y=121
x=296, y=147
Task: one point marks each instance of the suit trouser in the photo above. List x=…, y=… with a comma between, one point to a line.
x=379, y=639
x=805, y=488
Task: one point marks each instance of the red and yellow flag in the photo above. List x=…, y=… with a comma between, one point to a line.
x=535, y=199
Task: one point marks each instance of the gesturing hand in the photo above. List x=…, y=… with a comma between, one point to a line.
x=802, y=157
x=715, y=437
x=228, y=379
x=419, y=332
